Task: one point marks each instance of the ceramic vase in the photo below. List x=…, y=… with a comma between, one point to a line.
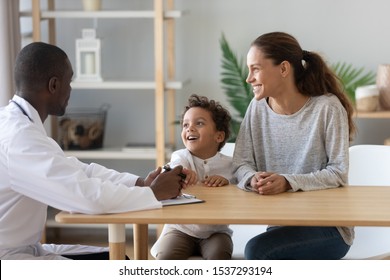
x=92, y=5
x=367, y=98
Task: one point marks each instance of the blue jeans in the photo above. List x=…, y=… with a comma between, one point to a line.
x=297, y=243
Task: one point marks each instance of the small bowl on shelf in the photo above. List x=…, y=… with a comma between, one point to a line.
x=92, y=5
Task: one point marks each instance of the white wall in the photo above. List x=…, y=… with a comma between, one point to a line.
x=354, y=31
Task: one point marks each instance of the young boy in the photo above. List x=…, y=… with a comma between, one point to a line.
x=205, y=130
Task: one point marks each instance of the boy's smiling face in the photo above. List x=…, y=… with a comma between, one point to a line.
x=199, y=133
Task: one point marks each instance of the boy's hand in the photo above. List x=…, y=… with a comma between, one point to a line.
x=191, y=177
x=215, y=181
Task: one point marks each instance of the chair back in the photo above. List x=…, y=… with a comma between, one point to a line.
x=369, y=165
x=228, y=149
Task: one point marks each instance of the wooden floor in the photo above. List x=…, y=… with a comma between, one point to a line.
x=92, y=236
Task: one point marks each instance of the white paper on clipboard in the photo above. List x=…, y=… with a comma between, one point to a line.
x=182, y=199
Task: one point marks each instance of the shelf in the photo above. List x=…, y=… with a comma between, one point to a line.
x=117, y=153
x=164, y=85
x=103, y=14
x=125, y=85
x=373, y=115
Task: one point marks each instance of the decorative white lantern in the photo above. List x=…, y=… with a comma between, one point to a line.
x=88, y=57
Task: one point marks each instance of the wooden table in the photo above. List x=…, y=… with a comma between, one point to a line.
x=344, y=206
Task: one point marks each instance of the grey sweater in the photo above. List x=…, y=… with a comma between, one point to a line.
x=309, y=148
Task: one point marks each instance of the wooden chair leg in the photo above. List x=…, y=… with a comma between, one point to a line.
x=385, y=256
x=43, y=238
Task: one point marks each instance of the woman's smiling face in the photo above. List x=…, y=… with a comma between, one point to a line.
x=264, y=76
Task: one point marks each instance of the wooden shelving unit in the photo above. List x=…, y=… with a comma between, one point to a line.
x=373, y=115
x=376, y=115
x=170, y=85
x=163, y=84
x=118, y=153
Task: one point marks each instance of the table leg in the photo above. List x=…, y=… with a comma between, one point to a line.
x=117, y=241
x=140, y=237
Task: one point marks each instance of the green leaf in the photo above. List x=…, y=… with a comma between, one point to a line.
x=352, y=77
x=233, y=78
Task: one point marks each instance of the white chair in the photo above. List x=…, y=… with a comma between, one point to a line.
x=228, y=149
x=370, y=165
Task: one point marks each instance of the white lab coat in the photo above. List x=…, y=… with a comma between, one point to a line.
x=35, y=173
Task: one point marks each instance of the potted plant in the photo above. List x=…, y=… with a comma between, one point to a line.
x=352, y=77
x=233, y=79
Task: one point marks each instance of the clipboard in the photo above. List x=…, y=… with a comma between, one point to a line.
x=181, y=199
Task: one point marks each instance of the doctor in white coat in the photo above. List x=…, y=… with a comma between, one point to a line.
x=35, y=173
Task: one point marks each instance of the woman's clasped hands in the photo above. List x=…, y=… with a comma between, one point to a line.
x=269, y=183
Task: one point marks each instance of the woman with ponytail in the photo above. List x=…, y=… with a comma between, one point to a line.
x=294, y=137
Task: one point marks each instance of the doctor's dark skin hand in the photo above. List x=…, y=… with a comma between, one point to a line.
x=166, y=185
x=269, y=183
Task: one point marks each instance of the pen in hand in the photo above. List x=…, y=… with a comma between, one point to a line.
x=168, y=168
x=183, y=176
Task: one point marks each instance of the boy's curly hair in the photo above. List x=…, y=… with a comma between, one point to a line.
x=220, y=115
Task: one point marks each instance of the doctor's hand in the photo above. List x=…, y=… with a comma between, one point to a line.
x=151, y=176
x=269, y=183
x=167, y=184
